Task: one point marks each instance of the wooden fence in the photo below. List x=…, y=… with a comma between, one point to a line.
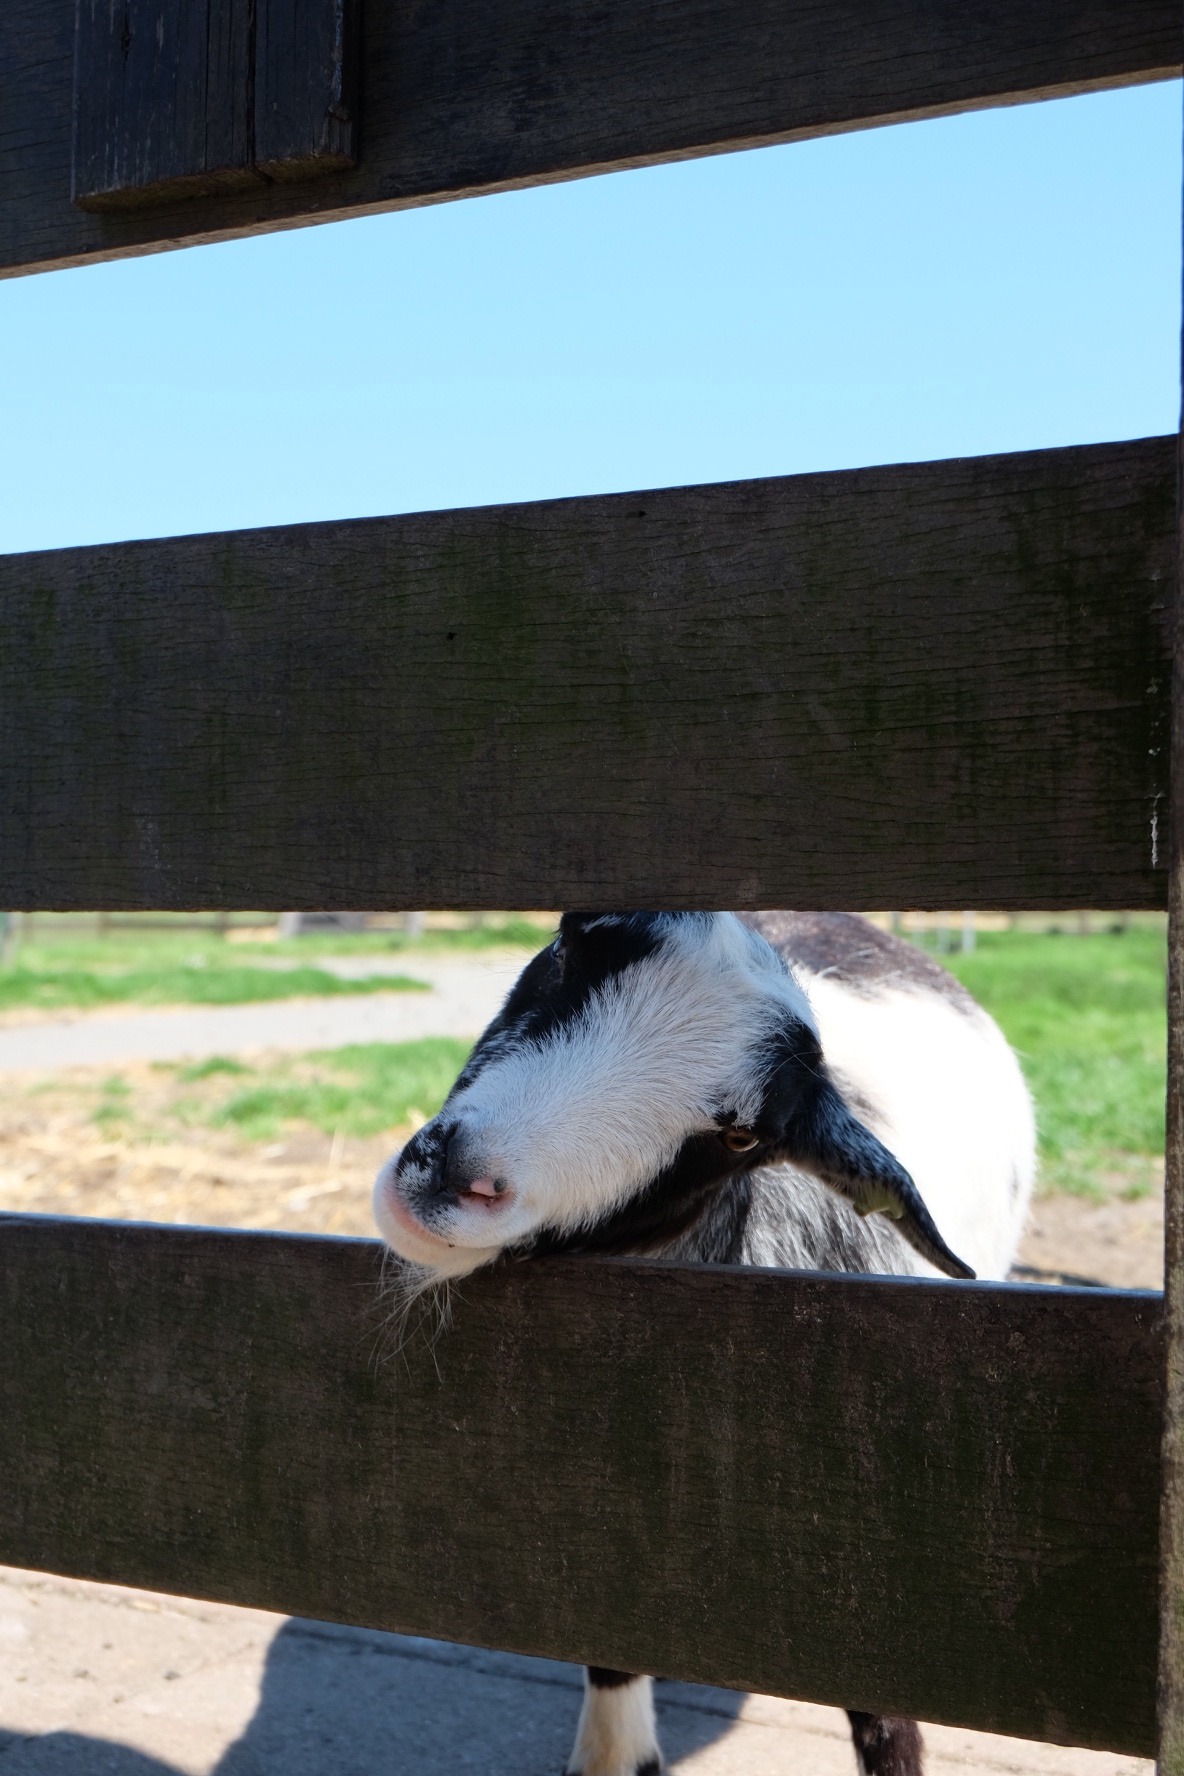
x=956, y=672
x=894, y=1495
x=919, y=686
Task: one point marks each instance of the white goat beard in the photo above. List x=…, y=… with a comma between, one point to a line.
x=581, y=1120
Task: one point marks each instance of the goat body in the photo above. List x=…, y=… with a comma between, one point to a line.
x=788, y=1089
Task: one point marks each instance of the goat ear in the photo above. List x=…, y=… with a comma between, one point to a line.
x=821, y=1135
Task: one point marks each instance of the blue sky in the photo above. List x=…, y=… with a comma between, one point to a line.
x=1001, y=281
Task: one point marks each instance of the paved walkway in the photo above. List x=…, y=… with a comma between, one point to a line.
x=96, y=1681
x=463, y=998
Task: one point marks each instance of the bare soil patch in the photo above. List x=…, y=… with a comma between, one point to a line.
x=1116, y=1240
x=67, y=1149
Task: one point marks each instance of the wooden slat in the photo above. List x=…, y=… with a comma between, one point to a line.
x=1171, y=1641
x=204, y=96
x=465, y=96
x=927, y=1498
x=941, y=684
x=161, y=98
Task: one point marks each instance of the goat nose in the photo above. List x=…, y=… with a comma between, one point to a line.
x=457, y=1167
x=465, y=1170
x=450, y=1157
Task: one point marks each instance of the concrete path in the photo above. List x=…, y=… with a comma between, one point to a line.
x=463, y=998
x=97, y=1681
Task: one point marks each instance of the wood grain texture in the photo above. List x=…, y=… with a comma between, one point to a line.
x=162, y=99
x=464, y=96
x=178, y=99
x=305, y=87
x=942, y=684
x=933, y=1499
x=1170, y=1750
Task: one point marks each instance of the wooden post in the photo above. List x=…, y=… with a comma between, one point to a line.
x=1171, y=1597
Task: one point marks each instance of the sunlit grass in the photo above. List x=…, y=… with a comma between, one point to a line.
x=359, y=1090
x=366, y=1089
x=165, y=969
x=1086, y=1014
x=80, y=972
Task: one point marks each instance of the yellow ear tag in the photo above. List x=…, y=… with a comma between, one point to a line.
x=879, y=1203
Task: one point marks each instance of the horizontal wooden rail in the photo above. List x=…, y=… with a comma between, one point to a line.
x=938, y=685
x=467, y=96
x=928, y=1498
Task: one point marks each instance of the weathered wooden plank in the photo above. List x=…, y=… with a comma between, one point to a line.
x=305, y=87
x=198, y=97
x=161, y=101
x=927, y=1498
x=1171, y=1640
x=941, y=684
x=465, y=96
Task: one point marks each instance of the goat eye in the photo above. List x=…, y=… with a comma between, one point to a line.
x=738, y=1140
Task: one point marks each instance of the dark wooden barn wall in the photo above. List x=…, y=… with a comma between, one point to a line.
x=464, y=96
x=938, y=684
x=919, y=1497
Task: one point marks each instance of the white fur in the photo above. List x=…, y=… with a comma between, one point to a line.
x=617, y=1734
x=581, y=1121
x=940, y=1086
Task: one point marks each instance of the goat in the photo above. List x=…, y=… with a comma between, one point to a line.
x=742, y=1089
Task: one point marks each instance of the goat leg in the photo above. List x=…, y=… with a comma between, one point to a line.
x=886, y=1745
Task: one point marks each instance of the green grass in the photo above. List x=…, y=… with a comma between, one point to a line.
x=165, y=969
x=62, y=971
x=513, y=932
x=215, y=1064
x=359, y=1090
x=1086, y=1015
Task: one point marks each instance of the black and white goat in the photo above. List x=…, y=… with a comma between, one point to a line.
x=786, y=1089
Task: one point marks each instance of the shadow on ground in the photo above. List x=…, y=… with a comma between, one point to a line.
x=351, y=1702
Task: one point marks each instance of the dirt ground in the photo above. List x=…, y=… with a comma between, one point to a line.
x=1117, y=1241
x=65, y=1149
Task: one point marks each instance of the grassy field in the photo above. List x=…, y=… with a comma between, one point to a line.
x=63, y=971
x=1086, y=1015
x=360, y=1090
x=183, y=982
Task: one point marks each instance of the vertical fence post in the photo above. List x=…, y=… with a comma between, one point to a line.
x=1171, y=1593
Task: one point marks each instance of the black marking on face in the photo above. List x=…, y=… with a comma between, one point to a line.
x=557, y=985
x=602, y=1678
x=428, y=1145
x=551, y=993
